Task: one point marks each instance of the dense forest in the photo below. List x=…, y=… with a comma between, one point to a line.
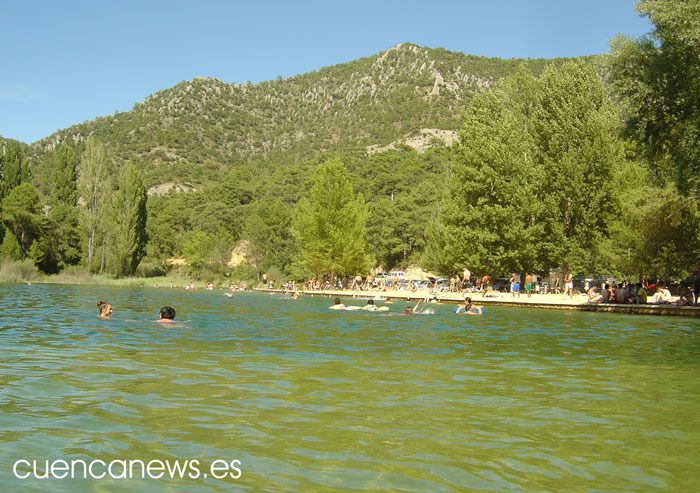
x=414, y=156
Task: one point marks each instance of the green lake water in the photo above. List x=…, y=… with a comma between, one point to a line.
x=309, y=399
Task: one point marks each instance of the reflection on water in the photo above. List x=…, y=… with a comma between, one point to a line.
x=314, y=400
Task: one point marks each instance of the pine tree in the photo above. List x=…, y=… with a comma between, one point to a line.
x=330, y=226
x=10, y=250
x=21, y=214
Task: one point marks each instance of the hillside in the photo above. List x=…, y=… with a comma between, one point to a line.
x=192, y=132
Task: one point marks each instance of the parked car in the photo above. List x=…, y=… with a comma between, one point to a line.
x=501, y=284
x=420, y=284
x=442, y=284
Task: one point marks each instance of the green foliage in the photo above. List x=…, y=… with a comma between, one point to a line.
x=198, y=130
x=269, y=230
x=21, y=214
x=580, y=152
x=10, y=249
x=330, y=226
x=18, y=271
x=197, y=248
x=13, y=167
x=128, y=213
x=536, y=162
x=656, y=233
x=493, y=187
x=94, y=187
x=64, y=177
x=60, y=246
x=658, y=77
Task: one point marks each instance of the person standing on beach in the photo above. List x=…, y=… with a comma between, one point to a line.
x=485, y=284
x=696, y=281
x=569, y=285
x=515, y=284
x=528, y=284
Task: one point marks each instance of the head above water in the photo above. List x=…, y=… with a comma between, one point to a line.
x=105, y=309
x=167, y=312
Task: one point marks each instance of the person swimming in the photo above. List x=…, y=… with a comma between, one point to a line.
x=370, y=306
x=337, y=305
x=105, y=310
x=467, y=308
x=167, y=314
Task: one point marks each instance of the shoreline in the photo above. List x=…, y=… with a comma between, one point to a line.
x=546, y=301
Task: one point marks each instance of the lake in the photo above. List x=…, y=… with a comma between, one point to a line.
x=309, y=399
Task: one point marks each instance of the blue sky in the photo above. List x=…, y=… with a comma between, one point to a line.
x=64, y=62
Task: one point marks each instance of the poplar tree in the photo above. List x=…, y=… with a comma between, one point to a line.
x=491, y=215
x=330, y=225
x=128, y=212
x=658, y=77
x=577, y=132
x=13, y=167
x=93, y=187
x=531, y=185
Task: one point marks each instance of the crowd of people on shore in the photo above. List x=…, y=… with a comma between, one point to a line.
x=609, y=290
x=640, y=293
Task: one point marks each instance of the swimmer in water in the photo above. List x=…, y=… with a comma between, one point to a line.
x=105, y=310
x=337, y=305
x=167, y=314
x=370, y=306
x=467, y=308
x=412, y=311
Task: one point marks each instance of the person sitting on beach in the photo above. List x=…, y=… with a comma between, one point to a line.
x=594, y=295
x=167, y=314
x=467, y=308
x=337, y=305
x=662, y=295
x=621, y=294
x=105, y=310
x=686, y=296
x=641, y=294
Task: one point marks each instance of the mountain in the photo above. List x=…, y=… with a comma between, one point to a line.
x=196, y=130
